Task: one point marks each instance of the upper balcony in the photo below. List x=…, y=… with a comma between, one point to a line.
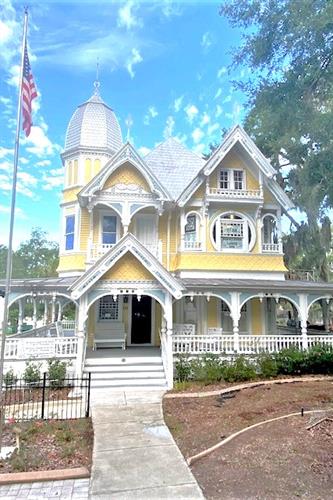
x=97, y=250
x=244, y=195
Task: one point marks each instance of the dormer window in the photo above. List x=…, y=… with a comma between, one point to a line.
x=109, y=230
x=231, y=179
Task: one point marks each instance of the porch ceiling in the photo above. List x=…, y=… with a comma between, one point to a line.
x=259, y=285
x=39, y=284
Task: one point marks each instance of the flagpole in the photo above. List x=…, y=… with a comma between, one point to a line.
x=11, y=224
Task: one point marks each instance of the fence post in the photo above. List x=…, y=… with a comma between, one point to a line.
x=43, y=395
x=88, y=395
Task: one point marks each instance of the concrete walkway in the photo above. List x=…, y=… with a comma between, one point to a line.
x=135, y=456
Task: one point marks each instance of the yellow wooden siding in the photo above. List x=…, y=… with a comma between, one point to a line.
x=212, y=320
x=87, y=170
x=72, y=262
x=84, y=229
x=75, y=172
x=234, y=162
x=128, y=268
x=97, y=166
x=232, y=262
x=70, y=194
x=256, y=316
x=127, y=174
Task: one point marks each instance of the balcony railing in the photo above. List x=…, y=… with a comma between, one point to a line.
x=97, y=250
x=301, y=275
x=272, y=248
x=192, y=245
x=254, y=194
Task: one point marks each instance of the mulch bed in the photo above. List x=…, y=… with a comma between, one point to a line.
x=49, y=445
x=279, y=460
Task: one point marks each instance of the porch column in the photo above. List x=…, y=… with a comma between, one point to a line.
x=45, y=312
x=168, y=338
x=20, y=316
x=34, y=312
x=2, y=311
x=235, y=315
x=303, y=305
x=80, y=334
x=53, y=309
x=59, y=311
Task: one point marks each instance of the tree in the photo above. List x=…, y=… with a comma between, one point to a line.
x=288, y=46
x=36, y=257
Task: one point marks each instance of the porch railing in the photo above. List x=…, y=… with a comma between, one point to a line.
x=272, y=248
x=235, y=193
x=244, y=344
x=41, y=348
x=97, y=250
x=302, y=275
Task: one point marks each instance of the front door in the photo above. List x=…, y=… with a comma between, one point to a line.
x=141, y=320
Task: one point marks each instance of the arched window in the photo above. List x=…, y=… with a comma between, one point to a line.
x=191, y=238
x=233, y=232
x=269, y=235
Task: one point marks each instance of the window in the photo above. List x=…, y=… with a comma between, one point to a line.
x=238, y=179
x=232, y=179
x=224, y=179
x=270, y=234
x=69, y=232
x=190, y=228
x=109, y=230
x=108, y=309
x=233, y=231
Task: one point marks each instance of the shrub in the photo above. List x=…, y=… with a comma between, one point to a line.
x=9, y=378
x=291, y=361
x=32, y=374
x=267, y=366
x=56, y=372
x=319, y=359
x=183, y=369
x=239, y=370
x=211, y=368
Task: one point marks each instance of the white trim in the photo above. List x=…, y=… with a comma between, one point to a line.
x=231, y=178
x=255, y=275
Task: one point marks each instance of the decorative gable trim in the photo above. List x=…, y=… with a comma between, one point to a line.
x=238, y=134
x=126, y=154
x=126, y=244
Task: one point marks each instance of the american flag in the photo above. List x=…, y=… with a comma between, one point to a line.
x=29, y=92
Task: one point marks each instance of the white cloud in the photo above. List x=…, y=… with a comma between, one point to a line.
x=43, y=163
x=218, y=93
x=199, y=148
x=178, y=103
x=127, y=17
x=218, y=111
x=205, y=119
x=234, y=116
x=169, y=127
x=191, y=111
x=212, y=128
x=38, y=143
x=19, y=213
x=207, y=40
x=197, y=135
x=14, y=75
x=151, y=113
x=54, y=178
x=135, y=58
x=5, y=152
x=171, y=8
x=143, y=150
x=227, y=98
x=221, y=72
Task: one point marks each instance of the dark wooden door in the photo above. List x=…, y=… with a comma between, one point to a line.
x=141, y=320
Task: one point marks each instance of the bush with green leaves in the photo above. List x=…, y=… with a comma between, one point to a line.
x=183, y=369
x=239, y=370
x=291, y=361
x=9, y=378
x=32, y=373
x=56, y=372
x=266, y=365
x=320, y=359
x=209, y=369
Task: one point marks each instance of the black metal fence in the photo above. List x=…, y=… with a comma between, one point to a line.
x=47, y=399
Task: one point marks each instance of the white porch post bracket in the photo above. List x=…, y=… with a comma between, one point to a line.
x=34, y=312
x=45, y=312
x=168, y=343
x=235, y=315
x=20, y=316
x=53, y=308
x=303, y=311
x=59, y=311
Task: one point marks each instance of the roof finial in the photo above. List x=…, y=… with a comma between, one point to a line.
x=97, y=82
x=129, y=123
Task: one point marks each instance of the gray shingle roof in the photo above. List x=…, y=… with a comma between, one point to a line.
x=92, y=125
x=174, y=165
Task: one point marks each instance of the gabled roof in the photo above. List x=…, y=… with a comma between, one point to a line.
x=237, y=135
x=174, y=165
x=125, y=154
x=127, y=243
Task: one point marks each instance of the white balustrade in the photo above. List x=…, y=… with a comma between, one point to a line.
x=235, y=193
x=192, y=245
x=248, y=344
x=98, y=250
x=41, y=348
x=68, y=324
x=272, y=247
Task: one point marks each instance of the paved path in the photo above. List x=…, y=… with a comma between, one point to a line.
x=70, y=489
x=135, y=456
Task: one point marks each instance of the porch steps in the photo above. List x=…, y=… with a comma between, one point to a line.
x=141, y=372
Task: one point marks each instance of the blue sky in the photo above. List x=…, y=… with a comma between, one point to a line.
x=164, y=63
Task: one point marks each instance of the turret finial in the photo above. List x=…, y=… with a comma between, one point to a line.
x=97, y=82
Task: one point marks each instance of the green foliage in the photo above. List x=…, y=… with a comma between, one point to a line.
x=9, y=378
x=183, y=369
x=320, y=359
x=32, y=373
x=291, y=361
x=266, y=365
x=56, y=372
x=287, y=47
x=239, y=370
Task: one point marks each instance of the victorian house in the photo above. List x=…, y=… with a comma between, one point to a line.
x=169, y=251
